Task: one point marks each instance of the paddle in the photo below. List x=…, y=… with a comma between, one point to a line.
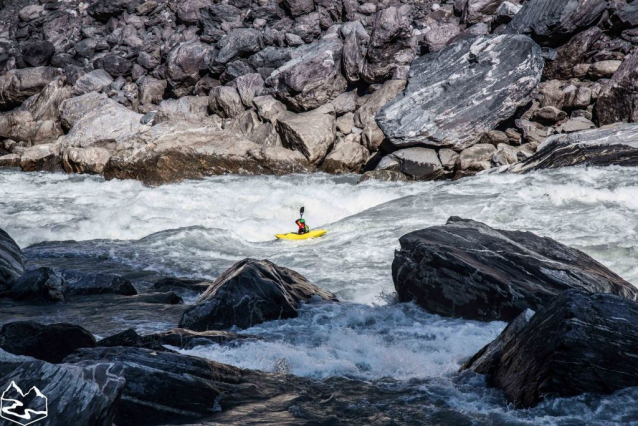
x=301, y=210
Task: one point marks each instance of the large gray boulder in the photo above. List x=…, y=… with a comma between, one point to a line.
x=18, y=85
x=12, y=261
x=618, y=99
x=94, y=81
x=249, y=293
x=312, y=77
x=467, y=269
x=549, y=22
x=73, y=109
x=578, y=343
x=364, y=118
x=457, y=94
x=311, y=133
x=346, y=157
x=417, y=162
x=611, y=145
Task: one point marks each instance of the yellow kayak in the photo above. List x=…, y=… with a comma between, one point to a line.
x=294, y=236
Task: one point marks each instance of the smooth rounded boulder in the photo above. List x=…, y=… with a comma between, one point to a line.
x=249, y=293
x=467, y=269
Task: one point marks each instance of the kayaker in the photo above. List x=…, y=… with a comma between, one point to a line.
x=303, y=228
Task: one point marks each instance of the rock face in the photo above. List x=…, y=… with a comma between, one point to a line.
x=95, y=388
x=51, y=343
x=577, y=343
x=611, y=145
x=467, y=269
x=11, y=261
x=455, y=95
x=249, y=293
x=550, y=21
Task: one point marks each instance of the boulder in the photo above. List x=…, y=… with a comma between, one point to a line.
x=299, y=7
x=39, y=285
x=311, y=133
x=312, y=77
x=474, y=159
x=45, y=157
x=19, y=84
x=89, y=284
x=51, y=343
x=96, y=388
x=225, y=102
x=10, y=160
x=73, y=109
x=94, y=81
x=37, y=53
x=187, y=108
x=572, y=54
x=417, y=162
x=12, y=261
x=364, y=118
x=269, y=108
x=604, y=69
x=467, y=269
x=440, y=34
x=240, y=42
x=248, y=86
x=550, y=22
x=476, y=11
x=176, y=337
x=151, y=90
x=114, y=64
x=577, y=343
x=183, y=65
x=46, y=104
x=457, y=94
x=20, y=125
x=383, y=175
x=504, y=155
x=610, y=145
x=85, y=160
x=391, y=43
x=249, y=293
x=576, y=124
x=188, y=11
x=617, y=101
x=346, y=157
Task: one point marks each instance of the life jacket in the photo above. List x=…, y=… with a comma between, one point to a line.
x=302, y=226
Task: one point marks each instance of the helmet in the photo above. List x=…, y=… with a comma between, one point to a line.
x=302, y=220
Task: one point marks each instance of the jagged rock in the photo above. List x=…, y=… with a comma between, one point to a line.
x=96, y=388
x=551, y=21
x=114, y=64
x=345, y=123
x=383, y=175
x=549, y=115
x=571, y=54
x=225, y=102
x=506, y=12
x=364, y=118
x=12, y=261
x=183, y=65
x=10, y=160
x=577, y=343
x=39, y=285
x=534, y=132
x=21, y=126
x=45, y=157
x=177, y=337
x=103, y=10
x=18, y=85
x=391, y=43
x=174, y=151
x=476, y=11
x=495, y=137
x=249, y=293
x=268, y=108
x=299, y=7
x=611, y=145
x=618, y=98
x=603, y=69
x=345, y=103
x=473, y=103
x=467, y=269
x=188, y=11
x=312, y=77
x=73, y=109
x=504, y=155
x=187, y=108
x=85, y=160
x=87, y=284
x=46, y=104
x=37, y=53
x=346, y=157
x=51, y=343
x=240, y=42
x=151, y=90
x=576, y=125
x=94, y=81
x=417, y=163
x=248, y=86
x=311, y=133
x=474, y=159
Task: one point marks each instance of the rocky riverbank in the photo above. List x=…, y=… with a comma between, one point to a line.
x=163, y=91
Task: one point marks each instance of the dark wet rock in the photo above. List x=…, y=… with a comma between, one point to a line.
x=571, y=54
x=551, y=21
x=179, y=284
x=160, y=298
x=240, y=42
x=577, y=343
x=249, y=293
x=84, y=284
x=95, y=388
x=51, y=343
x=177, y=337
x=617, y=100
x=610, y=145
x=473, y=103
x=39, y=285
x=103, y=10
x=467, y=269
x=115, y=65
x=183, y=66
x=94, y=81
x=12, y=261
x=312, y=78
x=18, y=85
x=391, y=43
x=37, y=53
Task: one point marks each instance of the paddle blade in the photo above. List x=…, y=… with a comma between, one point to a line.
x=301, y=210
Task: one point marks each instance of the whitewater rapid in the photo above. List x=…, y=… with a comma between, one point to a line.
x=199, y=228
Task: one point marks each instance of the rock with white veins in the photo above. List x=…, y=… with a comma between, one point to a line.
x=457, y=94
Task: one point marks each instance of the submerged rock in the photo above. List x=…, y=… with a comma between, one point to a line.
x=467, y=269
x=249, y=293
x=612, y=145
x=456, y=95
x=39, y=285
x=576, y=343
x=49, y=343
x=12, y=261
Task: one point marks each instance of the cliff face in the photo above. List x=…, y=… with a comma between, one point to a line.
x=167, y=90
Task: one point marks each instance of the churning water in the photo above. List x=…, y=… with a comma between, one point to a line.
x=200, y=228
